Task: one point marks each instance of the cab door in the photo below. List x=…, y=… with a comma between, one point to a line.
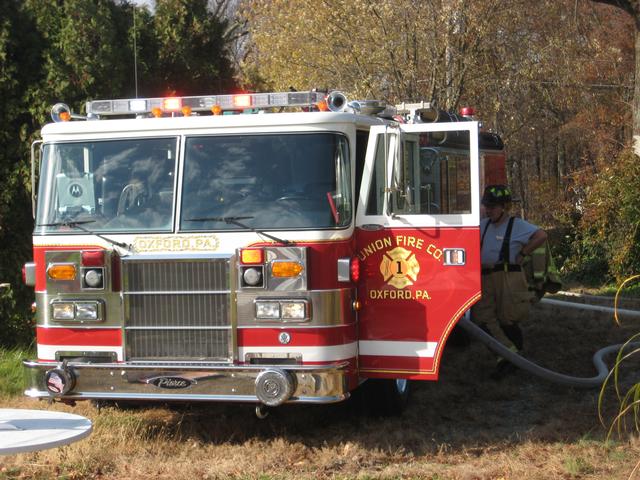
x=417, y=239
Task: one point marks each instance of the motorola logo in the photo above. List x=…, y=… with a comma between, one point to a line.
x=75, y=190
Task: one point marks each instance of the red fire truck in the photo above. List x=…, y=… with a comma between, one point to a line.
x=267, y=248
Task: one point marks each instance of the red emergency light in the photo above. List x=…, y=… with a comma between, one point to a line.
x=467, y=112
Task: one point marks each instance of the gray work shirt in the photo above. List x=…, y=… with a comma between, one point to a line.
x=492, y=243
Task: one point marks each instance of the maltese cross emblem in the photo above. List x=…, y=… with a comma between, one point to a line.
x=399, y=267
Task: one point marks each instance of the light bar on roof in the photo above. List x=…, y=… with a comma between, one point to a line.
x=205, y=103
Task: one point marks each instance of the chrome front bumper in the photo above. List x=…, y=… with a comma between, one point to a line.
x=219, y=382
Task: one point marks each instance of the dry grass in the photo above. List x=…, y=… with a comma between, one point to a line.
x=465, y=427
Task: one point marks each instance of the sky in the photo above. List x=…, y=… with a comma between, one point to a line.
x=148, y=3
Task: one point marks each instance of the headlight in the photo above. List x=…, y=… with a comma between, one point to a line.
x=82, y=311
x=294, y=310
x=63, y=311
x=87, y=311
x=267, y=310
x=283, y=309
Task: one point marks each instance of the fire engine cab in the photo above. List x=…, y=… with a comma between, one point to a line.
x=267, y=248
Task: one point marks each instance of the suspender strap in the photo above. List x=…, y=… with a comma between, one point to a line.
x=504, y=252
x=484, y=233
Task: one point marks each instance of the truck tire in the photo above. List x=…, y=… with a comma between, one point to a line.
x=387, y=397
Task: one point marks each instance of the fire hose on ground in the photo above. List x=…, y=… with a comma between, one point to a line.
x=550, y=375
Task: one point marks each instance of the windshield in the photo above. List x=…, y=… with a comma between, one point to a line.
x=108, y=186
x=278, y=182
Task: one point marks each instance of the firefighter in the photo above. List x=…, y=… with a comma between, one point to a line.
x=506, y=242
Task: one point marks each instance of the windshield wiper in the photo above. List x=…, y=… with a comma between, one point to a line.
x=78, y=224
x=237, y=222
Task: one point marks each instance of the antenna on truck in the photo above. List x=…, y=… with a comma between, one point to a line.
x=135, y=50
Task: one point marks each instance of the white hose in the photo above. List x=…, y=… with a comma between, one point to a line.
x=521, y=362
x=596, y=308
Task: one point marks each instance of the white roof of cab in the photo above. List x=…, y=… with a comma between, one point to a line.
x=262, y=122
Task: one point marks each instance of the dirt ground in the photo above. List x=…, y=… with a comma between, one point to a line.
x=466, y=427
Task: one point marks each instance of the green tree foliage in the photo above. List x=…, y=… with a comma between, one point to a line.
x=610, y=225
x=19, y=52
x=85, y=51
x=73, y=51
x=190, y=49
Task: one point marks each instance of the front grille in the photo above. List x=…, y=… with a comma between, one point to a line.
x=177, y=308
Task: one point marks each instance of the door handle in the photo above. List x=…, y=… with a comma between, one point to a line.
x=371, y=227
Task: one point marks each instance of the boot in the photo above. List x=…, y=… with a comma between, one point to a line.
x=514, y=333
x=503, y=369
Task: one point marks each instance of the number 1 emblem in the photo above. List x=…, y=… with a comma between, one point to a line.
x=399, y=267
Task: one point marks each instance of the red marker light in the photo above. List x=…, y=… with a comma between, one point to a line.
x=354, y=269
x=467, y=112
x=92, y=258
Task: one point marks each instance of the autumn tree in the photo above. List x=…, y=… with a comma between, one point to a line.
x=529, y=76
x=549, y=76
x=396, y=50
x=632, y=7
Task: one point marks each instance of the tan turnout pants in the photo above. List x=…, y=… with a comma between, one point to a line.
x=506, y=299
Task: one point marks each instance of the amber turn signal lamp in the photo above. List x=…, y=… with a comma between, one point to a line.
x=64, y=271
x=286, y=269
